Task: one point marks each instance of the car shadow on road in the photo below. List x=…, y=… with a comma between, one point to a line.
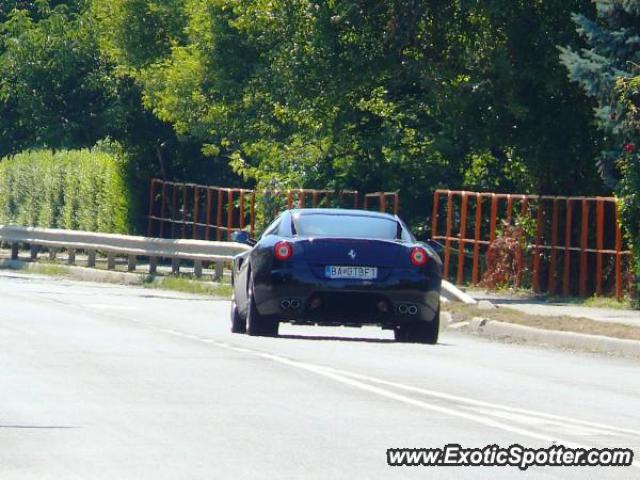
x=320, y=338
x=337, y=339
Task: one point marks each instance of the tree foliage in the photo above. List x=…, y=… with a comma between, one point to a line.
x=608, y=70
x=409, y=95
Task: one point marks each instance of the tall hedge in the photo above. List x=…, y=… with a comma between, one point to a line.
x=69, y=189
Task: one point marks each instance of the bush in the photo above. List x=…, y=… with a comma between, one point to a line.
x=70, y=189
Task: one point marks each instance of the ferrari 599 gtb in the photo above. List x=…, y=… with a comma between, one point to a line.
x=338, y=267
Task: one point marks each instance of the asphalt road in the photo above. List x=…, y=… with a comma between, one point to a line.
x=110, y=382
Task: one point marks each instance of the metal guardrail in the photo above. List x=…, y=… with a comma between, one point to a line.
x=113, y=245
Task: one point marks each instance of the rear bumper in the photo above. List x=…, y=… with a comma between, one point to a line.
x=299, y=296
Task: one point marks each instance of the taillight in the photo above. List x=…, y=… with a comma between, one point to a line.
x=419, y=256
x=283, y=251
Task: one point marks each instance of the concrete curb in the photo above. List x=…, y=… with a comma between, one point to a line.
x=80, y=273
x=493, y=328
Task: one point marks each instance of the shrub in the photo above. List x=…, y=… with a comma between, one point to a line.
x=70, y=189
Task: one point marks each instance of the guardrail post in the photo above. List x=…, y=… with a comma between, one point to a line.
x=175, y=266
x=111, y=261
x=197, y=268
x=14, y=250
x=153, y=265
x=219, y=270
x=131, y=263
x=71, y=256
x=33, y=252
x=91, y=259
x=52, y=253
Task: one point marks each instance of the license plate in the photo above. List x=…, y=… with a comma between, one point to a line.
x=351, y=272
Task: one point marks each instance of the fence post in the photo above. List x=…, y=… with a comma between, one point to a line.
x=219, y=215
x=535, y=277
x=434, y=214
x=383, y=202
x=229, y=213
x=174, y=206
x=253, y=212
x=463, y=234
x=207, y=231
x=150, y=217
x=184, y=210
x=476, y=245
x=566, y=287
x=494, y=217
x=196, y=208
x=447, y=242
x=619, y=293
x=241, y=218
x=509, y=207
x=162, y=207
x=301, y=198
x=599, y=243
x=396, y=203
x=584, y=244
x=554, y=245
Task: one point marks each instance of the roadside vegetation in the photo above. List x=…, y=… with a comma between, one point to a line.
x=498, y=95
x=461, y=312
x=187, y=285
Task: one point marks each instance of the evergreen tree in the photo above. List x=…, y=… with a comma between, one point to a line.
x=608, y=71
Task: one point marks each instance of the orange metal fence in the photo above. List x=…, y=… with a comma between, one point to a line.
x=577, y=246
x=187, y=210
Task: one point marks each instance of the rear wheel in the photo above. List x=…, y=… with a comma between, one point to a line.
x=259, y=325
x=420, y=332
x=238, y=324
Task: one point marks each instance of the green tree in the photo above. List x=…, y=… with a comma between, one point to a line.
x=608, y=71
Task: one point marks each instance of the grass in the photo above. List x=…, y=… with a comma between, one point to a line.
x=50, y=269
x=187, y=285
x=461, y=312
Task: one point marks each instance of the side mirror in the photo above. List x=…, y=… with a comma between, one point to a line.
x=242, y=237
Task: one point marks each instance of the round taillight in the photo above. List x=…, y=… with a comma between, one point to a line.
x=419, y=256
x=283, y=251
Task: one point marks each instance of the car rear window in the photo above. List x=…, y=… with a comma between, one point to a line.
x=345, y=226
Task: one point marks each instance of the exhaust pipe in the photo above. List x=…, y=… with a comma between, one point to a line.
x=402, y=308
x=294, y=304
x=285, y=304
x=412, y=309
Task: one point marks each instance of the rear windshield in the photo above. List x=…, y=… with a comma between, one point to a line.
x=348, y=226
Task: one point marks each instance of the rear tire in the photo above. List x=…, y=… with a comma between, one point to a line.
x=238, y=324
x=259, y=325
x=420, y=332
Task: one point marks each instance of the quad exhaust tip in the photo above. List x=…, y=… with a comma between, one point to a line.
x=290, y=304
x=407, y=309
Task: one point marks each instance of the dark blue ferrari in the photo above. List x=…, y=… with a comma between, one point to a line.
x=338, y=267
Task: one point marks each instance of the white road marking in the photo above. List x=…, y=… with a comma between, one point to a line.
x=358, y=381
